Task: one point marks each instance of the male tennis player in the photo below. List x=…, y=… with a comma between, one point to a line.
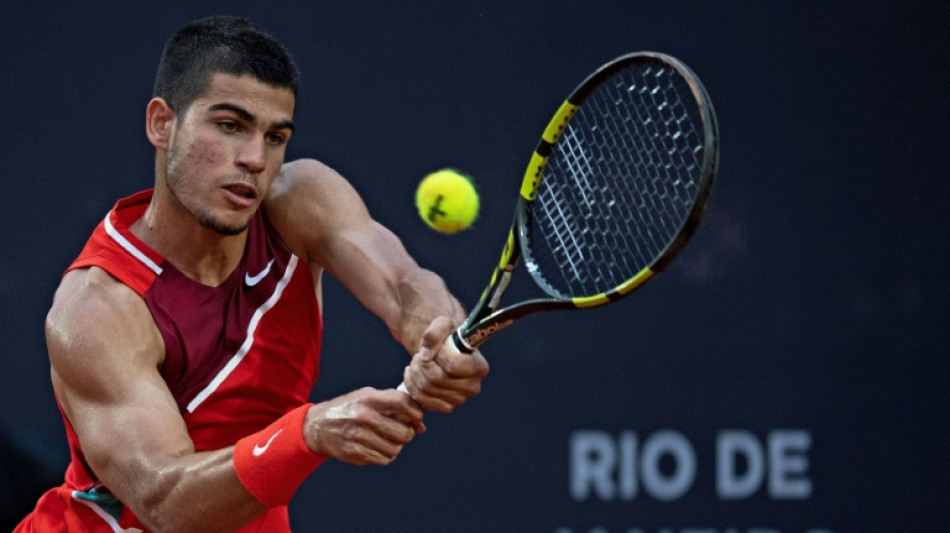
x=185, y=338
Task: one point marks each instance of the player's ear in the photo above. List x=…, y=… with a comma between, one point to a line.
x=159, y=123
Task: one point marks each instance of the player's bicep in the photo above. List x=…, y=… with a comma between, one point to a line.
x=323, y=219
x=104, y=352
x=309, y=203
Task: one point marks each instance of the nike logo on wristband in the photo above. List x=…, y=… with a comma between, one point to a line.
x=258, y=449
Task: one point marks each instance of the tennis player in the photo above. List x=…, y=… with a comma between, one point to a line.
x=185, y=338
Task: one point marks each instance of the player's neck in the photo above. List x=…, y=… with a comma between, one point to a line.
x=203, y=255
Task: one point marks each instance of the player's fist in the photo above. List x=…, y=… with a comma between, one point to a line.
x=366, y=426
x=440, y=377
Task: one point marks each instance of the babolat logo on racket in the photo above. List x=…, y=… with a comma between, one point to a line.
x=479, y=335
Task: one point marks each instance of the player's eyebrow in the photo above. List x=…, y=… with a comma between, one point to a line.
x=248, y=116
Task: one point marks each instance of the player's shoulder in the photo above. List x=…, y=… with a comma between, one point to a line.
x=99, y=332
x=310, y=203
x=89, y=300
x=307, y=176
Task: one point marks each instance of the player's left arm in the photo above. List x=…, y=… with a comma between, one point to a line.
x=324, y=220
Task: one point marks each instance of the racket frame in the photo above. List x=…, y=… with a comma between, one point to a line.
x=485, y=318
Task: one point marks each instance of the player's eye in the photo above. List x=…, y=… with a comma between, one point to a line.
x=229, y=126
x=276, y=138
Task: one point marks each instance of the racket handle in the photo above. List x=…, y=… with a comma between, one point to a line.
x=453, y=342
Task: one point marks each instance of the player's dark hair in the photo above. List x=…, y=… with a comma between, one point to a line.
x=219, y=44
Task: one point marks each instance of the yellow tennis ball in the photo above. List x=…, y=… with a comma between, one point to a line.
x=447, y=201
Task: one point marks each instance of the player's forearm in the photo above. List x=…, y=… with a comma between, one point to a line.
x=376, y=268
x=199, y=492
x=423, y=297
x=218, y=490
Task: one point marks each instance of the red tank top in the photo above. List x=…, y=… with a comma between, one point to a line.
x=237, y=356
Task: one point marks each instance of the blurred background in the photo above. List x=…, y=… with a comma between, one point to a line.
x=788, y=374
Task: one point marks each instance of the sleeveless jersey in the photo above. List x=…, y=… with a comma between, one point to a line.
x=237, y=356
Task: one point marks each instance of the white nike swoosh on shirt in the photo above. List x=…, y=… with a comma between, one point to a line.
x=258, y=449
x=250, y=280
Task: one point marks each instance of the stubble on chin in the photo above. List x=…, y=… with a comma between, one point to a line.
x=209, y=221
x=206, y=217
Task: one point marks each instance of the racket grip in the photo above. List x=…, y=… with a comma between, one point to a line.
x=453, y=342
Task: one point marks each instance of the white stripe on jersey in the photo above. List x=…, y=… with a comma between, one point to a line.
x=249, y=340
x=129, y=247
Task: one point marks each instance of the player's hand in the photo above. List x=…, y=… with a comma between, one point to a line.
x=439, y=377
x=366, y=426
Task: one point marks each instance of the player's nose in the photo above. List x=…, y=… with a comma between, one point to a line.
x=252, y=155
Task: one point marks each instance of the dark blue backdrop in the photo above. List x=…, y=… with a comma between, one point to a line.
x=788, y=374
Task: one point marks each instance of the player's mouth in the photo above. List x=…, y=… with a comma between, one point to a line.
x=242, y=194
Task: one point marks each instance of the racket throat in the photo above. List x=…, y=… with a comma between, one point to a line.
x=500, y=288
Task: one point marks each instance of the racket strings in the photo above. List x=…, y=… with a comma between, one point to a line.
x=620, y=183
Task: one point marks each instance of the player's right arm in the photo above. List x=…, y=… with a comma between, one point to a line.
x=105, y=351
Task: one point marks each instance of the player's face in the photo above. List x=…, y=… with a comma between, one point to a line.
x=226, y=150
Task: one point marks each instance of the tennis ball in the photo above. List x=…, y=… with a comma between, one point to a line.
x=447, y=201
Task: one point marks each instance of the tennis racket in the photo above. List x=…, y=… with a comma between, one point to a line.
x=615, y=188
